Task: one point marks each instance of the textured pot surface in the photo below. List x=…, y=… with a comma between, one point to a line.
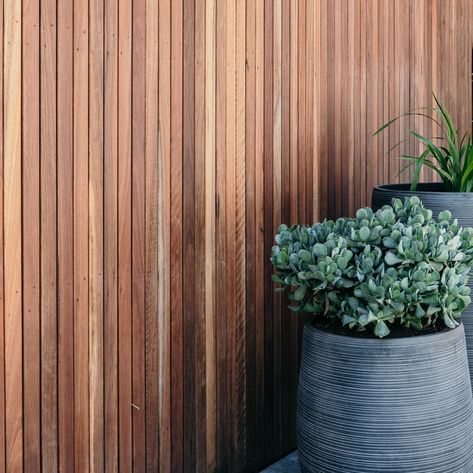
x=433, y=198
x=387, y=406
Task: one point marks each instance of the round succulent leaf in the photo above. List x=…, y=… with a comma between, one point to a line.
x=381, y=330
x=445, y=215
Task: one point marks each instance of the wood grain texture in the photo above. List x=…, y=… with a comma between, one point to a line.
x=81, y=237
x=65, y=236
x=176, y=233
x=231, y=280
x=199, y=237
x=2, y=271
x=154, y=244
x=31, y=236
x=210, y=280
x=220, y=237
x=48, y=212
x=125, y=246
x=12, y=251
x=250, y=257
x=241, y=417
x=189, y=231
x=110, y=249
x=138, y=235
x=393, y=55
x=149, y=152
x=96, y=234
x=163, y=239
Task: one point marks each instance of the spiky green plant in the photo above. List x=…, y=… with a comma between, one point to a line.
x=450, y=155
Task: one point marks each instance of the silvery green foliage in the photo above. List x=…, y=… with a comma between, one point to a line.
x=397, y=265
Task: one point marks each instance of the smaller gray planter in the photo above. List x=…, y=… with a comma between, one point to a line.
x=400, y=405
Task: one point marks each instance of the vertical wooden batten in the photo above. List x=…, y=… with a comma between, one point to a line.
x=3, y=457
x=81, y=235
x=209, y=222
x=12, y=254
x=31, y=234
x=154, y=242
x=176, y=234
x=48, y=232
x=110, y=235
x=164, y=238
x=138, y=160
x=96, y=235
x=125, y=247
x=65, y=235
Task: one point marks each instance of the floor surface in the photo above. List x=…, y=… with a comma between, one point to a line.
x=289, y=464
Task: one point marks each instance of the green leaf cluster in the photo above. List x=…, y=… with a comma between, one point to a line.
x=393, y=266
x=450, y=155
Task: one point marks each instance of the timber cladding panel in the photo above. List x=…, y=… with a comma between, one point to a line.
x=149, y=151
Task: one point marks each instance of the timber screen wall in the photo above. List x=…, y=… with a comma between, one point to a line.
x=149, y=151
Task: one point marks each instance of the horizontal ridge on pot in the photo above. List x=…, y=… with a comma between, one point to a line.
x=400, y=405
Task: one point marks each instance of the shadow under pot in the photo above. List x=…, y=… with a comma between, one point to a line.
x=399, y=405
x=436, y=199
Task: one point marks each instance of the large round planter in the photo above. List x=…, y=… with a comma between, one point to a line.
x=434, y=198
x=401, y=405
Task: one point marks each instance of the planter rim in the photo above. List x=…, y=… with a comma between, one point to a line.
x=431, y=188
x=398, y=341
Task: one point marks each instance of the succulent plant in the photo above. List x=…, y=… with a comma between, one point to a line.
x=379, y=269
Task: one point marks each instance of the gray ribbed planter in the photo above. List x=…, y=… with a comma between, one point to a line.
x=432, y=196
x=401, y=405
